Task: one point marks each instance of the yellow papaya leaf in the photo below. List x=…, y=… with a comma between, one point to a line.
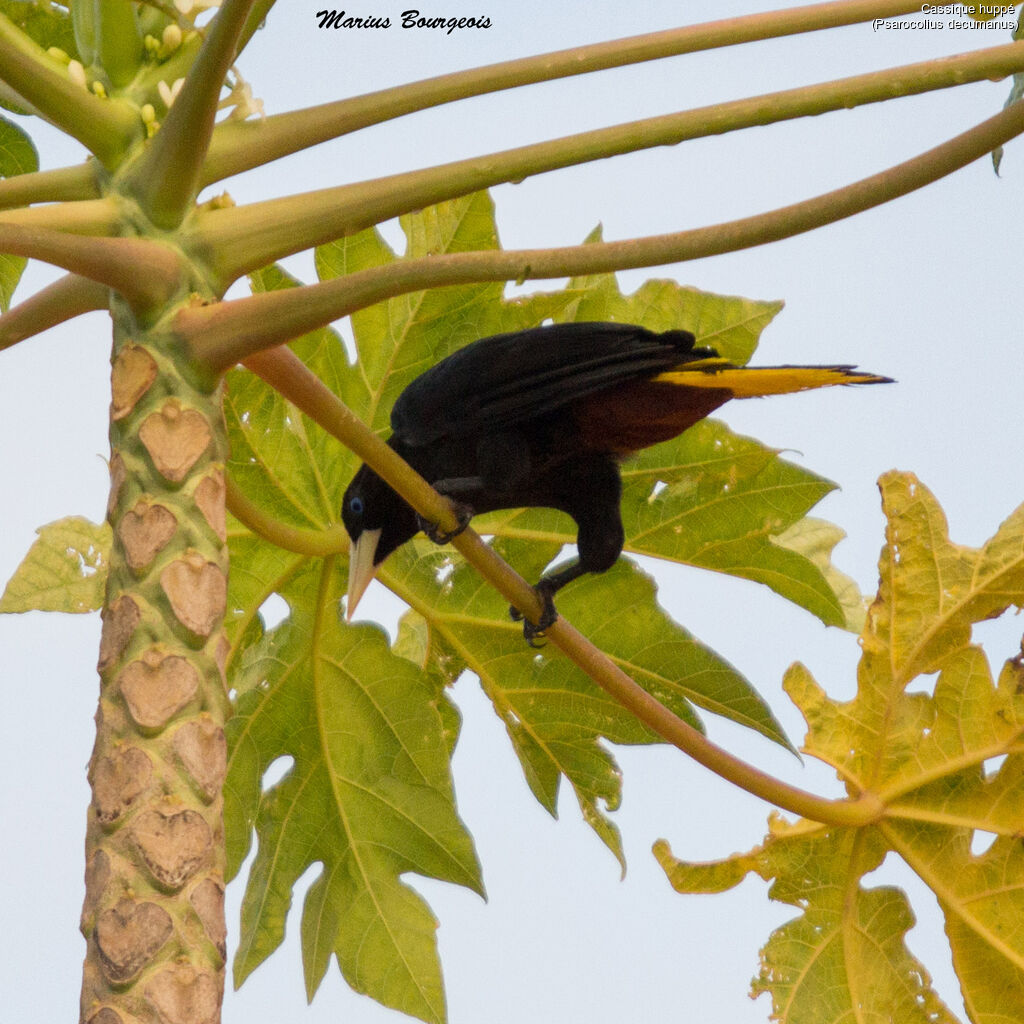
x=945, y=761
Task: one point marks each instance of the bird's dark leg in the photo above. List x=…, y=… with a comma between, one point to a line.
x=502, y=464
x=593, y=492
x=546, y=589
x=463, y=514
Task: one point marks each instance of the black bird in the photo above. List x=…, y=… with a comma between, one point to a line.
x=542, y=417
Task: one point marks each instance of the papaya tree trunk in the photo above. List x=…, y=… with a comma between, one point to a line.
x=154, y=907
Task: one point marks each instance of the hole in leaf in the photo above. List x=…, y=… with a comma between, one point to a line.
x=274, y=611
x=990, y=766
x=83, y=562
x=276, y=771
x=444, y=571
x=656, y=490
x=564, y=552
x=923, y=687
x=981, y=841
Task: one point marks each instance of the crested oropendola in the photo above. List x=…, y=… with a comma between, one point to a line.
x=542, y=417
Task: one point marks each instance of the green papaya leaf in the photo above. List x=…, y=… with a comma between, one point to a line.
x=555, y=715
x=46, y=24
x=65, y=570
x=368, y=797
x=17, y=156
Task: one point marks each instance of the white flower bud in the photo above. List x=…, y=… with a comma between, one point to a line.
x=77, y=73
x=171, y=38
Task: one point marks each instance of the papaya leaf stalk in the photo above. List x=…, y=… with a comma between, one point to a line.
x=241, y=145
x=249, y=237
x=230, y=331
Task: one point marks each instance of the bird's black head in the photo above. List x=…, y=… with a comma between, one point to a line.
x=378, y=522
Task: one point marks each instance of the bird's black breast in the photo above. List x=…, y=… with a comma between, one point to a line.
x=503, y=382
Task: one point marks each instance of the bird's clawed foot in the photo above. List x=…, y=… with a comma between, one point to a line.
x=532, y=632
x=463, y=514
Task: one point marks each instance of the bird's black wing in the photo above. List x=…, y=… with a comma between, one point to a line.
x=495, y=383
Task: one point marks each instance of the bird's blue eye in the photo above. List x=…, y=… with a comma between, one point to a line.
x=356, y=505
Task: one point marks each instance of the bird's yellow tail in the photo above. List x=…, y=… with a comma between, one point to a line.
x=755, y=381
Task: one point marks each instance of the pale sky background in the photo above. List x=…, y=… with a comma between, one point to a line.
x=924, y=289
